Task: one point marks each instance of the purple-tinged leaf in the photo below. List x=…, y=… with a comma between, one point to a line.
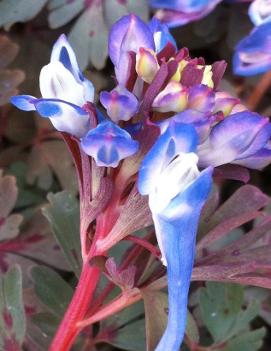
x=225, y=228
x=134, y=215
x=124, y=278
x=246, y=199
x=234, y=172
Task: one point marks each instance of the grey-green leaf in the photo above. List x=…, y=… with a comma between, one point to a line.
x=88, y=37
x=222, y=312
x=51, y=289
x=62, y=12
x=47, y=322
x=63, y=216
x=131, y=337
x=12, y=11
x=12, y=315
x=249, y=341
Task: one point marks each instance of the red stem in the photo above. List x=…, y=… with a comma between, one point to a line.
x=67, y=331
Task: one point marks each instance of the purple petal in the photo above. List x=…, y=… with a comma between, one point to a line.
x=259, y=160
x=129, y=34
x=237, y=136
x=178, y=13
x=225, y=103
x=201, y=98
x=253, y=53
x=108, y=144
x=201, y=122
x=172, y=98
x=120, y=104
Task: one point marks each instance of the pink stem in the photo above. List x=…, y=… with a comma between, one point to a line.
x=67, y=331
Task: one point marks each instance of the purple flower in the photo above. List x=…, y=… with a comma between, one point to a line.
x=239, y=138
x=253, y=53
x=126, y=37
x=64, y=91
x=108, y=144
x=120, y=104
x=172, y=98
x=179, y=12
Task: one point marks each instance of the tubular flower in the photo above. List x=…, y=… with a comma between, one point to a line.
x=171, y=124
x=179, y=12
x=238, y=138
x=177, y=191
x=64, y=92
x=253, y=53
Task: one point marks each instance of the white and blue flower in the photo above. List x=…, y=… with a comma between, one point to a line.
x=64, y=92
x=177, y=191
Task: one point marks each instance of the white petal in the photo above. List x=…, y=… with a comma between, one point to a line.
x=58, y=82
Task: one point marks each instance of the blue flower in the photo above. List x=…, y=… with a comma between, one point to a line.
x=253, y=53
x=161, y=35
x=108, y=144
x=179, y=12
x=177, y=191
x=64, y=92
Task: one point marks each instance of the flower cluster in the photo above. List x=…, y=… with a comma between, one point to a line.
x=164, y=127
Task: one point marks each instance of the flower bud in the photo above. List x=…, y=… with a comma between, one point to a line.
x=172, y=99
x=146, y=64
